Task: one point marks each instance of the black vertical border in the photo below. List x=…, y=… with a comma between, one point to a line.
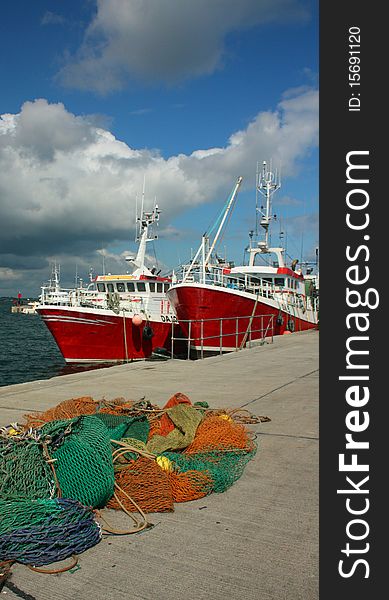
x=342, y=131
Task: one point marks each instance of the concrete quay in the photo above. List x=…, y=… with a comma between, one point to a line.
x=257, y=541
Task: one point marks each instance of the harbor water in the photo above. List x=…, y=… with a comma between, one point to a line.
x=27, y=349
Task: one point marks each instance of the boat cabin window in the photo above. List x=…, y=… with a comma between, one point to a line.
x=101, y=287
x=231, y=283
x=130, y=286
x=141, y=286
x=166, y=286
x=159, y=287
x=267, y=279
x=291, y=283
x=110, y=287
x=279, y=281
x=152, y=286
x=120, y=286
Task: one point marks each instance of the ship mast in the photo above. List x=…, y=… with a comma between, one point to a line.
x=144, y=221
x=267, y=183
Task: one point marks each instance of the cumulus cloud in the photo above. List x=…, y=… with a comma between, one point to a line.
x=41, y=129
x=68, y=187
x=163, y=41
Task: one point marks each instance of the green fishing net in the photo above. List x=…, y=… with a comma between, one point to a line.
x=224, y=467
x=82, y=451
x=121, y=426
x=24, y=473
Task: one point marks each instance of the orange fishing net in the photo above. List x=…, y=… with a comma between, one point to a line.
x=190, y=485
x=220, y=433
x=119, y=406
x=85, y=405
x=146, y=483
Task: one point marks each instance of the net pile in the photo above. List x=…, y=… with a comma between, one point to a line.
x=127, y=455
x=214, y=459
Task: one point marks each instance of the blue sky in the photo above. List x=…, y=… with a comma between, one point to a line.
x=96, y=95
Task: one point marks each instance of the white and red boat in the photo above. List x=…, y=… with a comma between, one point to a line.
x=222, y=307
x=115, y=318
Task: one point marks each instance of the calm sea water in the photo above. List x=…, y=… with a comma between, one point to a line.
x=27, y=349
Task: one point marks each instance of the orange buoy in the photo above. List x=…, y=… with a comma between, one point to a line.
x=137, y=320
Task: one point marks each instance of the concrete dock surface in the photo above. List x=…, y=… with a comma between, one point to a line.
x=258, y=540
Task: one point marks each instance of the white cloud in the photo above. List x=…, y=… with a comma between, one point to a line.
x=9, y=274
x=50, y=18
x=68, y=187
x=164, y=41
x=41, y=129
x=141, y=111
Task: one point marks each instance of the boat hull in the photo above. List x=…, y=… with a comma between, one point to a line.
x=224, y=319
x=84, y=335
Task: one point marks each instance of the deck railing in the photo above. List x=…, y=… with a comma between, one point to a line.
x=247, y=330
x=252, y=284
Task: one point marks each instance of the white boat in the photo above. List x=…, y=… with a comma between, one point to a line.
x=25, y=308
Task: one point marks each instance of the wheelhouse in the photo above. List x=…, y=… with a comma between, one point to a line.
x=142, y=286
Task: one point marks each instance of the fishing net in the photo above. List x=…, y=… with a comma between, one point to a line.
x=74, y=454
x=82, y=451
x=166, y=424
x=175, y=454
x=24, y=471
x=85, y=405
x=212, y=462
x=190, y=485
x=39, y=532
x=125, y=455
x=68, y=409
x=143, y=481
x=220, y=432
x=119, y=406
x=222, y=468
x=121, y=426
x=185, y=420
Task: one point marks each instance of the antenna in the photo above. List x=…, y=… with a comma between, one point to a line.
x=302, y=237
x=143, y=195
x=136, y=216
x=267, y=184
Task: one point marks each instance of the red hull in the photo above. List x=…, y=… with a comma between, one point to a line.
x=198, y=302
x=85, y=336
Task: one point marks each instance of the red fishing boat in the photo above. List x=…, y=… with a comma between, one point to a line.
x=115, y=318
x=223, y=307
